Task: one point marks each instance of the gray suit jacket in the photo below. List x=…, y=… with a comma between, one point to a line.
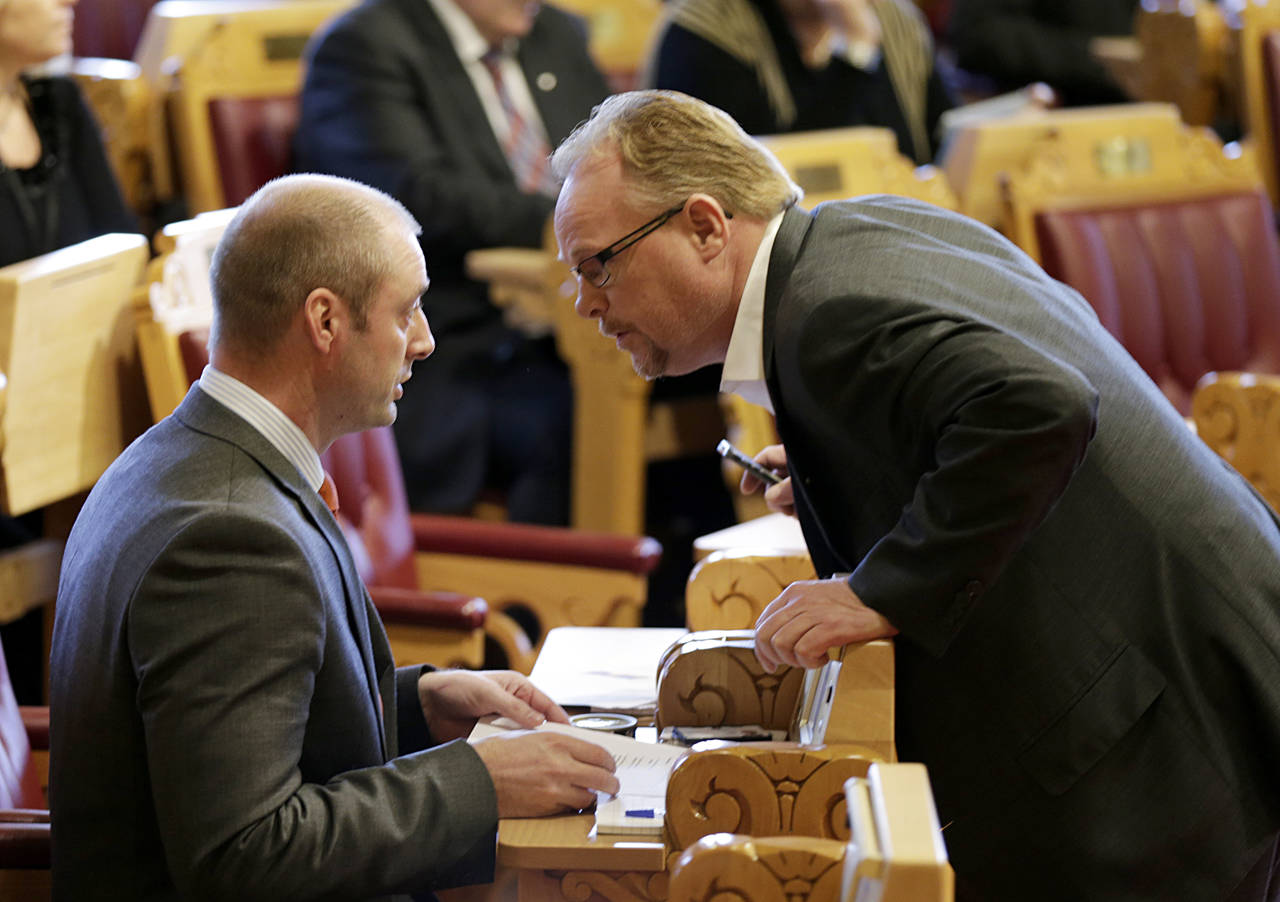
x=226, y=713
x=1088, y=597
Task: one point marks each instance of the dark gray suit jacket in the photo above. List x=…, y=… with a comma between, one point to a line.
x=1088, y=597
x=226, y=712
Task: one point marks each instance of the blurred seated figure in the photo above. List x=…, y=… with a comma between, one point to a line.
x=801, y=65
x=451, y=106
x=1016, y=42
x=57, y=188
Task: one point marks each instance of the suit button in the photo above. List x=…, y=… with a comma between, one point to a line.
x=972, y=589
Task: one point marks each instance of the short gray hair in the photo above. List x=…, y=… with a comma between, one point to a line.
x=672, y=146
x=295, y=234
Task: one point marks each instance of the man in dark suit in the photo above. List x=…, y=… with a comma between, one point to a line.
x=229, y=722
x=415, y=97
x=1086, y=599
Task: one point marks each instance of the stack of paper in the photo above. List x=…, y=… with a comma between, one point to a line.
x=642, y=771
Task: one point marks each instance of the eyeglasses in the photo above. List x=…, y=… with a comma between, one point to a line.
x=593, y=268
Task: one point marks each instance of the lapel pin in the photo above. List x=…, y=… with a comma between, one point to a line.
x=546, y=81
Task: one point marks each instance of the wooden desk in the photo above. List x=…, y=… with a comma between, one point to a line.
x=773, y=532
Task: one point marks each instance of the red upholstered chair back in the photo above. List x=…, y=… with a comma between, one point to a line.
x=253, y=138
x=193, y=346
x=365, y=467
x=19, y=781
x=1187, y=287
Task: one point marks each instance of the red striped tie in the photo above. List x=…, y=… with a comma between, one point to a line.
x=525, y=147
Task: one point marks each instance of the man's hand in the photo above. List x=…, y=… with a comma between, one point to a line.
x=536, y=774
x=778, y=497
x=810, y=617
x=452, y=701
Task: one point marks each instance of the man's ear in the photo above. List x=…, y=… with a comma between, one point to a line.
x=324, y=318
x=710, y=225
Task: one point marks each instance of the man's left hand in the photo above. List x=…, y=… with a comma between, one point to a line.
x=452, y=701
x=810, y=617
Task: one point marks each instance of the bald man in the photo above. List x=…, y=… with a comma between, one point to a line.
x=229, y=720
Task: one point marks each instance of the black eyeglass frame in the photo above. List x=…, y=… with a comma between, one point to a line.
x=604, y=256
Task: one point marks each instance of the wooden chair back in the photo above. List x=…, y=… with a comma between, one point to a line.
x=1168, y=235
x=1185, y=53
x=1238, y=415
x=844, y=162
x=132, y=127
x=233, y=99
x=620, y=32
x=74, y=395
x=1259, y=87
x=976, y=156
x=897, y=853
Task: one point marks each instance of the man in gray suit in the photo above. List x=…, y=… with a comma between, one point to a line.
x=229, y=722
x=1086, y=599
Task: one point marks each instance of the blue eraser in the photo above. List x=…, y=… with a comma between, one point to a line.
x=639, y=812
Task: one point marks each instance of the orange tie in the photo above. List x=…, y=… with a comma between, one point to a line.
x=329, y=492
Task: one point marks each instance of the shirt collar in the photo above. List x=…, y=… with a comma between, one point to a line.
x=463, y=34
x=282, y=432
x=743, y=372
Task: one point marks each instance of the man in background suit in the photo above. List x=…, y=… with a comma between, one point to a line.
x=399, y=94
x=1086, y=599
x=229, y=722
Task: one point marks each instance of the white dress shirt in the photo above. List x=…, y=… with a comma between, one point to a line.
x=743, y=372
x=282, y=432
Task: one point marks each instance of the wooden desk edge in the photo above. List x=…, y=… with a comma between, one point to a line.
x=563, y=842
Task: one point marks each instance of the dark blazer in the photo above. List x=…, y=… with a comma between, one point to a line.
x=228, y=717
x=1088, y=597
x=80, y=198
x=1016, y=42
x=835, y=96
x=387, y=102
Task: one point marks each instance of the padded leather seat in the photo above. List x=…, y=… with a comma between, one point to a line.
x=253, y=139
x=1187, y=287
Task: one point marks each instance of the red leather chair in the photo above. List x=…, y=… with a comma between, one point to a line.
x=1167, y=234
x=1188, y=287
x=252, y=138
x=24, y=815
x=398, y=552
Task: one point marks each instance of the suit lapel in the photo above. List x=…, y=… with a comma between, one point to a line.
x=787, y=246
x=445, y=80
x=786, y=251
x=200, y=412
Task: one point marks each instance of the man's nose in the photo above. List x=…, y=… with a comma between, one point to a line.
x=421, y=343
x=591, y=302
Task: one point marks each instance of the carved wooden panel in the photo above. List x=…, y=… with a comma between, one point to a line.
x=729, y=589
x=744, y=869
x=593, y=886
x=713, y=682
x=1238, y=416
x=764, y=789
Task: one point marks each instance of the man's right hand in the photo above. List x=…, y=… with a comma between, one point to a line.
x=777, y=497
x=539, y=773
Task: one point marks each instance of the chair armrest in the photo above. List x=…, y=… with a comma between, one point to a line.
x=36, y=720
x=24, y=838
x=443, y=610
x=515, y=541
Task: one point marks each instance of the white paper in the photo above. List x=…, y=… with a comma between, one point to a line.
x=643, y=769
x=607, y=668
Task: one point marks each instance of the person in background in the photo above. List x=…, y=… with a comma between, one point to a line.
x=229, y=723
x=1016, y=42
x=452, y=106
x=1085, y=598
x=56, y=187
x=798, y=65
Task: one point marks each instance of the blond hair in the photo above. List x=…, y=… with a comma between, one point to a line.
x=672, y=146
x=295, y=234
